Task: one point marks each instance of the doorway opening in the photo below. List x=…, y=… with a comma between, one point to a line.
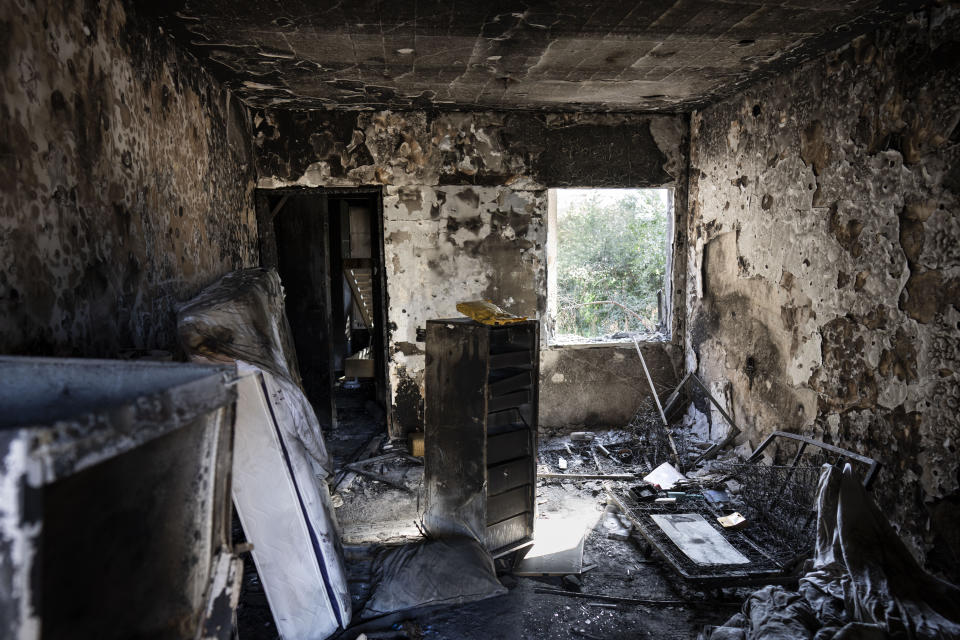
x=327, y=245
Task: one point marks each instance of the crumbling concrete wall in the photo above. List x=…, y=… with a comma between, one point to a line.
x=465, y=206
x=824, y=262
x=125, y=180
x=520, y=150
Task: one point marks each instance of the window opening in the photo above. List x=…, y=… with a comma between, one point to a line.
x=608, y=272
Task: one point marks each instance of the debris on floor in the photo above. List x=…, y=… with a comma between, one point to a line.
x=280, y=461
x=392, y=468
x=733, y=521
x=665, y=477
x=863, y=582
x=557, y=549
x=606, y=567
x=618, y=527
x=383, y=505
x=627, y=536
x=697, y=539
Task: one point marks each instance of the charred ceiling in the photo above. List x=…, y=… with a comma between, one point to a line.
x=566, y=55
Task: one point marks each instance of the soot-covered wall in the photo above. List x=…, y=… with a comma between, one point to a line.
x=465, y=207
x=126, y=180
x=824, y=262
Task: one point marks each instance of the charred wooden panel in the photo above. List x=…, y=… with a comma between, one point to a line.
x=302, y=246
x=507, y=446
x=508, y=504
x=454, y=437
x=508, y=475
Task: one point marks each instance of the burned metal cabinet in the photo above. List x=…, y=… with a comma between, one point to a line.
x=480, y=431
x=115, y=499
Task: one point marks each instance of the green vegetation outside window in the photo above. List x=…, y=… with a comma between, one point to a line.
x=611, y=261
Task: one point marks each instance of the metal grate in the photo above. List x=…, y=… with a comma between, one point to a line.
x=779, y=501
x=766, y=562
x=654, y=439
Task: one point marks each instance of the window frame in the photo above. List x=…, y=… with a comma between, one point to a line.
x=665, y=335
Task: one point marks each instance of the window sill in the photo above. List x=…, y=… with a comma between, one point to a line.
x=616, y=343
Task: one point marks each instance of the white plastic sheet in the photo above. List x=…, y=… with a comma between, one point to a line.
x=280, y=459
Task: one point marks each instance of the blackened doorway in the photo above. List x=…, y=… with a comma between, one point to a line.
x=327, y=245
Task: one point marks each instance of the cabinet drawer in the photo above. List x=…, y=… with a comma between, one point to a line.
x=505, y=421
x=509, y=475
x=510, y=400
x=521, y=359
x=523, y=380
x=509, y=531
x=507, y=446
x=509, y=504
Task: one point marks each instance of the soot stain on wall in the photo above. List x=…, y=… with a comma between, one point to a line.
x=483, y=243
x=824, y=221
x=465, y=201
x=600, y=385
x=126, y=181
x=524, y=151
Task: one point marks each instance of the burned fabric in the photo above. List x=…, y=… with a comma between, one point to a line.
x=864, y=583
x=450, y=571
x=241, y=317
x=888, y=586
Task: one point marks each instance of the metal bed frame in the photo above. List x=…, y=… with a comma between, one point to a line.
x=773, y=558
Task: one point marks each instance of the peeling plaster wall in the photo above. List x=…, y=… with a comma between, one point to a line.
x=520, y=150
x=824, y=263
x=465, y=207
x=126, y=180
x=450, y=244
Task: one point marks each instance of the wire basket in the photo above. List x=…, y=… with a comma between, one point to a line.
x=779, y=501
x=767, y=559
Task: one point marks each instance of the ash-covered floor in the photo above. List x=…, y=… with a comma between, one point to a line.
x=620, y=569
x=625, y=584
x=373, y=515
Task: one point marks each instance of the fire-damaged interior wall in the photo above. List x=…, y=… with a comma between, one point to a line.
x=126, y=181
x=465, y=208
x=824, y=262
x=601, y=385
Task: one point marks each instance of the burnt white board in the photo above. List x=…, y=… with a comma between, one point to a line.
x=285, y=510
x=557, y=549
x=697, y=539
